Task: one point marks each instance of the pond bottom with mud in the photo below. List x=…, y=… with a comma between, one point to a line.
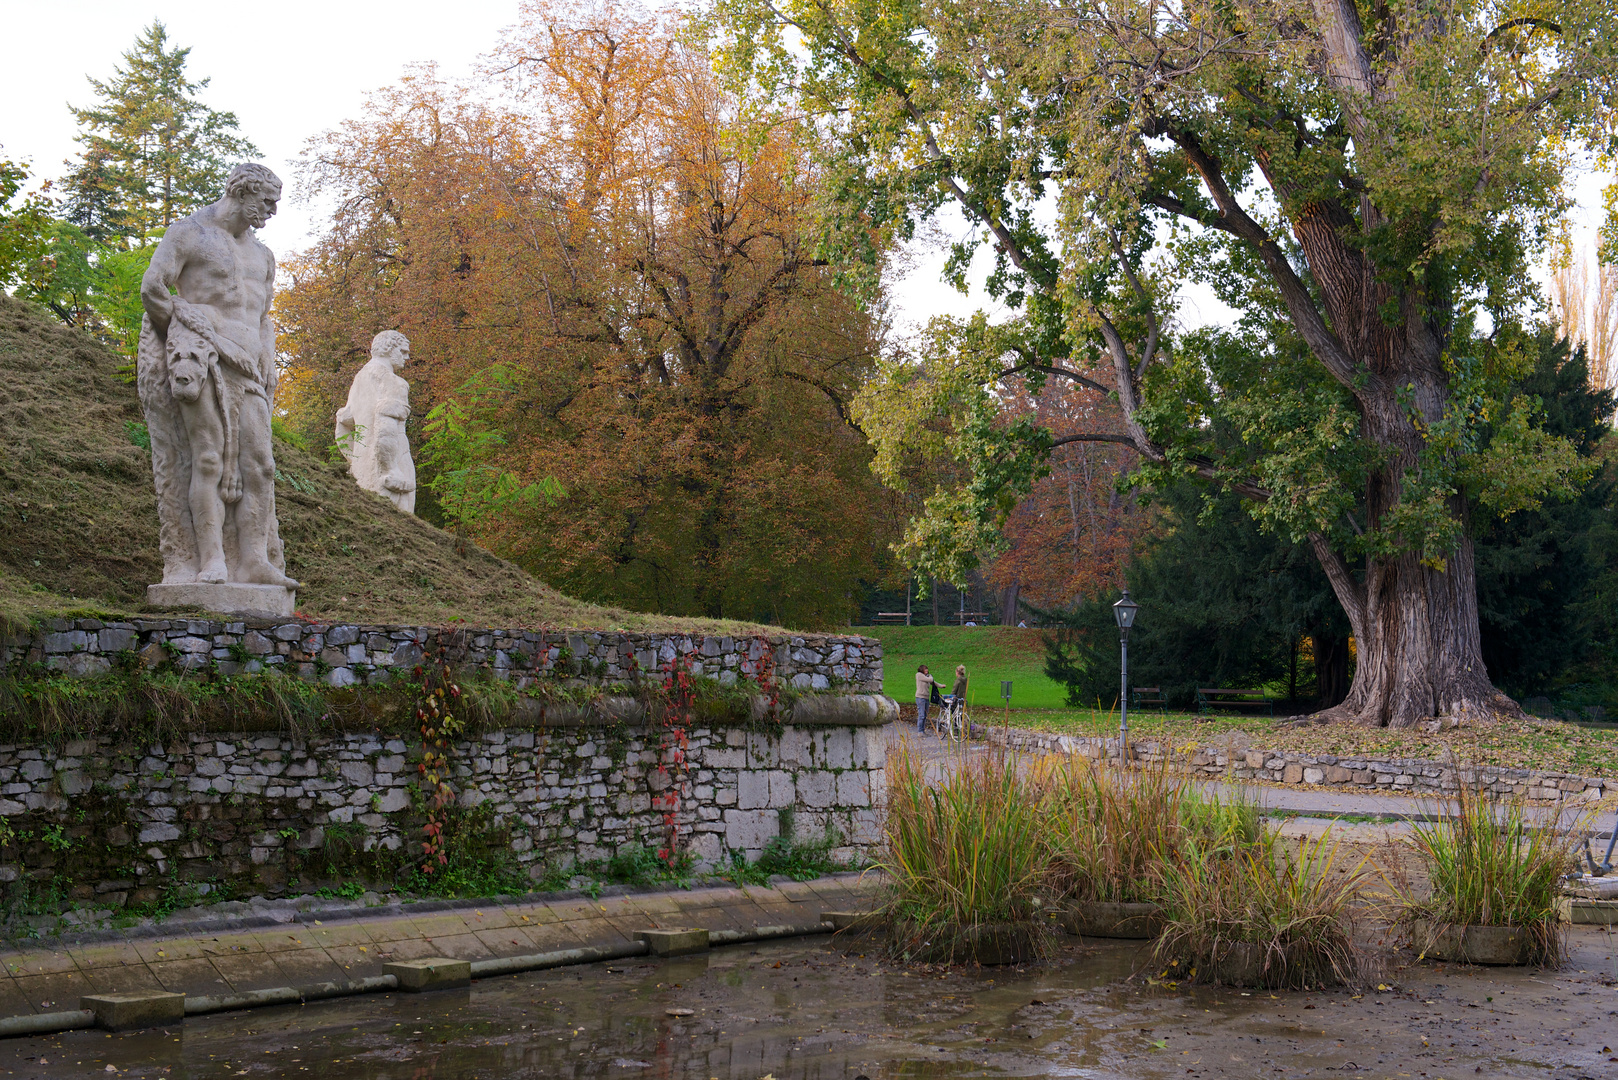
x=815, y=1009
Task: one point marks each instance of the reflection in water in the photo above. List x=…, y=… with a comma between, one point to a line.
x=816, y=1009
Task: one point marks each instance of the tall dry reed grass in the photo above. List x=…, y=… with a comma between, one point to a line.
x=1119, y=835
x=1487, y=864
x=1255, y=911
x=965, y=855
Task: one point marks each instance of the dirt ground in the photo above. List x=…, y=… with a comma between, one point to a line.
x=817, y=1009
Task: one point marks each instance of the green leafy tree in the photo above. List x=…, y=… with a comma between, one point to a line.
x=24, y=224
x=1227, y=603
x=1366, y=183
x=153, y=152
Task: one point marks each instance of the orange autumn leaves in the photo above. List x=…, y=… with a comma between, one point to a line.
x=598, y=219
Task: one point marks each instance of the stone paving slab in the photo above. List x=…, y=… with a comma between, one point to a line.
x=35, y=979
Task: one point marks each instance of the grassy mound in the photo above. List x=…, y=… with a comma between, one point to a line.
x=78, y=517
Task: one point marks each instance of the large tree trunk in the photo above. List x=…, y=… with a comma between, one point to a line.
x=1418, y=646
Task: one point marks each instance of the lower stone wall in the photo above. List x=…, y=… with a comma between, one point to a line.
x=108, y=823
x=1399, y=776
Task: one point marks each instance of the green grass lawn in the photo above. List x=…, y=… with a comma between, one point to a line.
x=991, y=654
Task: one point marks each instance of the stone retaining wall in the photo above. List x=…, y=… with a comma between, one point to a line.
x=106, y=824
x=340, y=654
x=1399, y=776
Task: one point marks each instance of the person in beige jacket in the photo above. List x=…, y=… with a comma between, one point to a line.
x=924, y=693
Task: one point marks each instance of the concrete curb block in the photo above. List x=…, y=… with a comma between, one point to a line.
x=515, y=965
x=48, y=1023
x=289, y=995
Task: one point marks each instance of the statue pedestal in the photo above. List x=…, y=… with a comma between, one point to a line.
x=227, y=598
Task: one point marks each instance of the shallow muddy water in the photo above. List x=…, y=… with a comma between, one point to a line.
x=812, y=1009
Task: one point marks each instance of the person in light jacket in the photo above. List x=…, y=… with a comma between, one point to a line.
x=924, y=693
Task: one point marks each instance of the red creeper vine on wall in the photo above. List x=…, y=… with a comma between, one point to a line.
x=440, y=698
x=679, y=712
x=764, y=675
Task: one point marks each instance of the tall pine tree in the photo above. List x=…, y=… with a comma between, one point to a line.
x=152, y=151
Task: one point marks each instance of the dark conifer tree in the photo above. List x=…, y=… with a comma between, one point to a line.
x=153, y=152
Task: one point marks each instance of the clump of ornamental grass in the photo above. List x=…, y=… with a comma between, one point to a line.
x=1215, y=820
x=1488, y=865
x=1117, y=835
x=965, y=857
x=1261, y=912
x=1111, y=831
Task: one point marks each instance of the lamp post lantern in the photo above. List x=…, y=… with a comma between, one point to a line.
x=1124, y=611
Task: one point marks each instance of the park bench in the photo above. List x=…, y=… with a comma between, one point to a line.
x=891, y=617
x=963, y=617
x=1225, y=698
x=1150, y=697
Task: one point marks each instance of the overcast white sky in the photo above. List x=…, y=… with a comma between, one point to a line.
x=295, y=68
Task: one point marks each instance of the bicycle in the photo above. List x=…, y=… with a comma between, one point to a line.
x=953, y=721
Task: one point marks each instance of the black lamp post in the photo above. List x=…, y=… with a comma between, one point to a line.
x=1124, y=611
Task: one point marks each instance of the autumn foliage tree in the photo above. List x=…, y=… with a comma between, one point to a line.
x=632, y=366
x=1076, y=529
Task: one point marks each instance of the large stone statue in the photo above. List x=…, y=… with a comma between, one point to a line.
x=371, y=427
x=206, y=375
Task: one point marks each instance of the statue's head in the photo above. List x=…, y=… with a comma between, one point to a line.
x=256, y=189
x=189, y=356
x=392, y=346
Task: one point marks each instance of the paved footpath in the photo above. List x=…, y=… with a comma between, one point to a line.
x=353, y=944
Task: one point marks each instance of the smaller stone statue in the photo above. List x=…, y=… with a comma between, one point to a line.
x=371, y=427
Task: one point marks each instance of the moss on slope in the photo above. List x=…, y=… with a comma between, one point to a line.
x=78, y=517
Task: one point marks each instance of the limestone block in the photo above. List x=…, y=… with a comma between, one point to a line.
x=1314, y=776
x=1292, y=774
x=794, y=746
x=430, y=973
x=727, y=758
x=853, y=789
x=865, y=826
x=115, y=639
x=705, y=848
x=783, y=792
x=817, y=788
x=233, y=597
x=752, y=789
x=358, y=773
x=750, y=830
x=870, y=748
x=839, y=749
x=129, y=1012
